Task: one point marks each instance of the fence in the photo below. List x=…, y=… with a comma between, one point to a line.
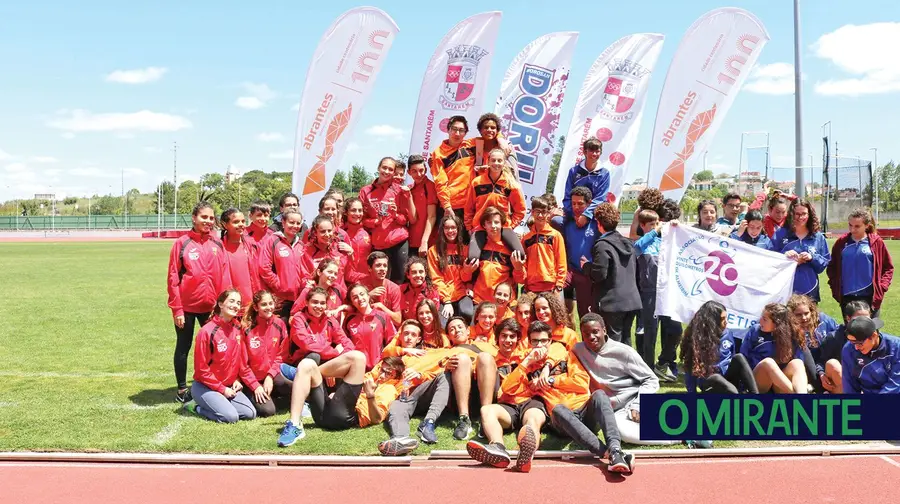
x=94, y=222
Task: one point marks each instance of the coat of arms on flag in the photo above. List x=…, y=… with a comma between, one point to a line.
x=462, y=71
x=622, y=86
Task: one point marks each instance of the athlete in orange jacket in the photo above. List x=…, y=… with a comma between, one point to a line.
x=497, y=263
x=545, y=251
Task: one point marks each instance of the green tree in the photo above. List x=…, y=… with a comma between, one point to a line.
x=71, y=200
x=108, y=205
x=341, y=182
x=554, y=164
x=359, y=177
x=704, y=175
x=168, y=198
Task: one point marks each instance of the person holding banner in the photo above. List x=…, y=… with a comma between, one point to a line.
x=801, y=241
x=587, y=173
x=707, y=215
x=497, y=188
x=708, y=352
x=870, y=359
x=861, y=266
x=453, y=168
x=774, y=351
x=389, y=209
x=751, y=231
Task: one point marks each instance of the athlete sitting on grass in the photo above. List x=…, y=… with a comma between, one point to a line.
x=518, y=407
x=359, y=399
x=775, y=352
x=469, y=362
x=707, y=350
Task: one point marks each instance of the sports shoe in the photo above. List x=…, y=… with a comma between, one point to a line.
x=617, y=462
x=288, y=371
x=664, y=373
x=191, y=407
x=426, y=432
x=398, y=446
x=527, y=446
x=705, y=444
x=493, y=454
x=291, y=434
x=463, y=428
x=183, y=395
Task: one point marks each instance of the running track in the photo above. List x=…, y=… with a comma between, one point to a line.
x=869, y=479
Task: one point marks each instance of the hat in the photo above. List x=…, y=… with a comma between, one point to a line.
x=862, y=328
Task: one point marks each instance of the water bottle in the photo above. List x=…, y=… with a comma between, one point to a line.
x=404, y=390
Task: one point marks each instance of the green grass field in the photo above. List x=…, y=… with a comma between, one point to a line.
x=87, y=360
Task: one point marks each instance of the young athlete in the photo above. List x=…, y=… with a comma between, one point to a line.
x=330, y=207
x=198, y=272
x=774, y=219
x=751, y=232
x=497, y=263
x=369, y=328
x=314, y=334
x=389, y=208
x=546, y=263
x=424, y=196
x=815, y=326
x=383, y=293
x=828, y=366
x=549, y=309
x=289, y=202
x=265, y=337
x=359, y=240
x=502, y=297
x=242, y=255
x=499, y=189
x=485, y=320
x=279, y=263
x=467, y=362
x=801, y=241
x=360, y=399
x=258, y=229
x=708, y=216
x=219, y=366
x=525, y=312
x=452, y=169
x=587, y=173
x=775, y=352
x=450, y=272
x=578, y=241
x=321, y=246
x=708, y=352
x=870, y=359
x=417, y=287
x=861, y=266
x=326, y=278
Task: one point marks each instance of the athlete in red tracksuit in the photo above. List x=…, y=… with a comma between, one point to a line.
x=322, y=247
x=242, y=255
x=389, y=209
x=264, y=343
x=279, y=263
x=315, y=335
x=198, y=272
x=358, y=238
x=369, y=328
x=417, y=288
x=219, y=360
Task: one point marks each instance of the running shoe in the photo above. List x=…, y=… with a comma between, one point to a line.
x=183, y=395
x=527, y=446
x=426, y=431
x=617, y=462
x=492, y=454
x=664, y=373
x=463, y=428
x=705, y=444
x=398, y=446
x=291, y=434
x=288, y=371
x=191, y=407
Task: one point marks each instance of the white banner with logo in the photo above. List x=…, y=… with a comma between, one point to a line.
x=455, y=81
x=609, y=108
x=340, y=78
x=710, y=65
x=530, y=102
x=696, y=266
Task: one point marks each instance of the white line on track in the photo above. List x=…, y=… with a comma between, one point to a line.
x=890, y=461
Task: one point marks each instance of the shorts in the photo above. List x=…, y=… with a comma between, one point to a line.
x=517, y=412
x=337, y=412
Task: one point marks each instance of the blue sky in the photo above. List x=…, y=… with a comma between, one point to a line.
x=98, y=87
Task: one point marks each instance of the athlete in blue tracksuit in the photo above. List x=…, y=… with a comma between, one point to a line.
x=597, y=181
x=579, y=243
x=733, y=372
x=870, y=359
x=806, y=279
x=814, y=343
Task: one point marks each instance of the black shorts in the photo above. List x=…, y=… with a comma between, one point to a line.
x=517, y=412
x=337, y=412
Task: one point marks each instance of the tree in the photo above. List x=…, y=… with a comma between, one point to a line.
x=168, y=198
x=703, y=176
x=71, y=200
x=554, y=164
x=210, y=183
x=108, y=205
x=341, y=182
x=359, y=177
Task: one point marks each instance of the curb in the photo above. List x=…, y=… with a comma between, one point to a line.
x=200, y=459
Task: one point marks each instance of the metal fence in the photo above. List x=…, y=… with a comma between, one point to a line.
x=94, y=222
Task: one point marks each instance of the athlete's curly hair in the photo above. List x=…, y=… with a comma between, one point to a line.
x=650, y=199
x=557, y=309
x=784, y=336
x=808, y=332
x=700, y=343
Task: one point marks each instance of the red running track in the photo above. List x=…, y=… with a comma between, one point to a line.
x=868, y=479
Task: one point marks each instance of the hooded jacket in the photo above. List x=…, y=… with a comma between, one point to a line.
x=613, y=271
x=883, y=268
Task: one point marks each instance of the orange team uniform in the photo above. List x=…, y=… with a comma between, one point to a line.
x=451, y=281
x=472, y=349
x=393, y=349
x=516, y=387
x=453, y=170
x=513, y=360
x=564, y=335
x=500, y=193
x=495, y=267
x=506, y=314
x=385, y=393
x=571, y=387
x=545, y=261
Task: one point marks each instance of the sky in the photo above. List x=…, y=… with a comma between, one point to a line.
x=98, y=90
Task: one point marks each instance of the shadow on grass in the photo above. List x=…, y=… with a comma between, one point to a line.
x=154, y=397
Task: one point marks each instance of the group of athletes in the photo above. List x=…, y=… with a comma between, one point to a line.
x=414, y=299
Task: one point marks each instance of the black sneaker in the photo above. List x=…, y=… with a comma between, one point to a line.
x=398, y=446
x=664, y=373
x=493, y=454
x=617, y=462
x=183, y=395
x=463, y=428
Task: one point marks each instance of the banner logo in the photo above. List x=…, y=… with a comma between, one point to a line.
x=531, y=118
x=673, y=177
x=462, y=70
x=315, y=180
x=717, y=269
x=621, y=89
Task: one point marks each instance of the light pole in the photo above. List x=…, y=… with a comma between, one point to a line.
x=798, y=107
x=875, y=180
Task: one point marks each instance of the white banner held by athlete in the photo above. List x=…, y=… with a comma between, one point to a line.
x=530, y=102
x=341, y=76
x=609, y=107
x=455, y=81
x=696, y=266
x=710, y=65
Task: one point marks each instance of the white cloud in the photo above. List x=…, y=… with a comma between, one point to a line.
x=152, y=150
x=145, y=120
x=15, y=167
x=288, y=154
x=861, y=50
x=385, y=131
x=44, y=159
x=4, y=155
x=134, y=171
x=139, y=76
x=249, y=103
x=257, y=96
x=125, y=136
x=352, y=147
x=68, y=136
x=772, y=79
x=52, y=172
x=270, y=137
x=92, y=171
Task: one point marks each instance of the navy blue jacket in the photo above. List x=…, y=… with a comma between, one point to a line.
x=726, y=353
x=823, y=334
x=875, y=373
x=597, y=181
x=579, y=242
x=762, y=241
x=806, y=279
x=758, y=345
